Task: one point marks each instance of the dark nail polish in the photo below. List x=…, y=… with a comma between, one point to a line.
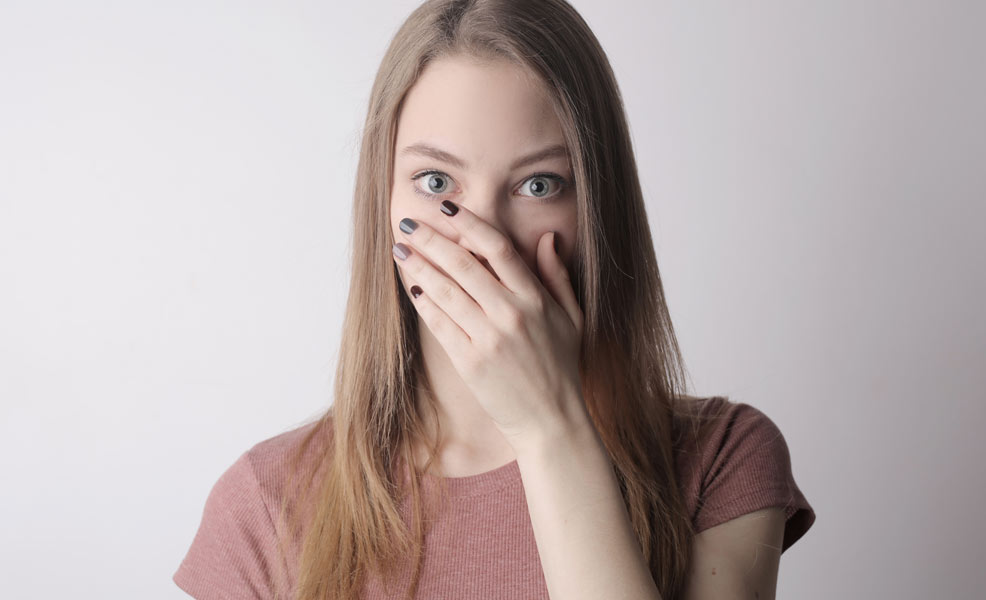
x=449, y=208
x=415, y=291
x=408, y=225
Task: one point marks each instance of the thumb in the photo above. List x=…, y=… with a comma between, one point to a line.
x=555, y=277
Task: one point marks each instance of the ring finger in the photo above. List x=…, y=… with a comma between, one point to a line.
x=444, y=293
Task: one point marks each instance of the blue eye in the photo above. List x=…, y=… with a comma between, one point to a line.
x=539, y=184
x=437, y=182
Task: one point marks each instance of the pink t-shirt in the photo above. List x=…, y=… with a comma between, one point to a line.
x=482, y=545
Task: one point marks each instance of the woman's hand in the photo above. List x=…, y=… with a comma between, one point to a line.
x=514, y=342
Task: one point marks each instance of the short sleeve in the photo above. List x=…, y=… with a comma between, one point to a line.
x=748, y=469
x=234, y=553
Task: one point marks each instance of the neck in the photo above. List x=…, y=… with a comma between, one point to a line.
x=470, y=441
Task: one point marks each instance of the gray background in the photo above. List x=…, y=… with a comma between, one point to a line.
x=175, y=193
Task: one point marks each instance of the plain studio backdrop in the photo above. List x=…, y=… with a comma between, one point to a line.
x=176, y=187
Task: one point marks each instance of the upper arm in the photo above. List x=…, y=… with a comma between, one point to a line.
x=737, y=559
x=746, y=467
x=233, y=552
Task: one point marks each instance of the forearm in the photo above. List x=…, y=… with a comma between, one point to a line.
x=581, y=526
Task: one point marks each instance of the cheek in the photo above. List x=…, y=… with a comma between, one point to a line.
x=398, y=210
x=404, y=204
x=395, y=232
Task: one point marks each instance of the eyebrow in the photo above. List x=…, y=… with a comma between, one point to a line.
x=422, y=149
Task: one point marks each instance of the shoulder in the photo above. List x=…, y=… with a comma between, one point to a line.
x=737, y=463
x=261, y=471
x=271, y=460
x=237, y=547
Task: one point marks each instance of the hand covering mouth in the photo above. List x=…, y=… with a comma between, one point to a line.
x=486, y=264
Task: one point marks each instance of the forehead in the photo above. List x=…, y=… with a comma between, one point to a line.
x=479, y=110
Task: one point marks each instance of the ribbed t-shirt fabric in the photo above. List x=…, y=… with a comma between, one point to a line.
x=482, y=544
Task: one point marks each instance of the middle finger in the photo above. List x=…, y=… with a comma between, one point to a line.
x=444, y=292
x=471, y=275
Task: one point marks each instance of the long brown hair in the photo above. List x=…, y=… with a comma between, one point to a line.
x=633, y=376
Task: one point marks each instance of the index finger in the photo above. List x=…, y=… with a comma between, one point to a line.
x=495, y=247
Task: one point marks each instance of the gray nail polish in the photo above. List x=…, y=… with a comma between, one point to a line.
x=401, y=251
x=408, y=225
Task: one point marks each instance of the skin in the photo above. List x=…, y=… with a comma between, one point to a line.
x=739, y=558
x=509, y=388
x=489, y=114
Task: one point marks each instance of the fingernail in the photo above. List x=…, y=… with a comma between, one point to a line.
x=415, y=291
x=408, y=225
x=449, y=208
x=401, y=251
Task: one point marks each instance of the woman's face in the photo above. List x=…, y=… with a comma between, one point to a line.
x=486, y=116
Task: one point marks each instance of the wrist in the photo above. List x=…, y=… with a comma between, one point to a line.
x=574, y=432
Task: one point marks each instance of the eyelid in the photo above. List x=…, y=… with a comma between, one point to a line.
x=425, y=173
x=563, y=183
x=558, y=179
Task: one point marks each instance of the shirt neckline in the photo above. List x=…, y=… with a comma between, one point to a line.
x=477, y=484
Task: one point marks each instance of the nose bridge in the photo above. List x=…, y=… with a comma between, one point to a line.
x=487, y=204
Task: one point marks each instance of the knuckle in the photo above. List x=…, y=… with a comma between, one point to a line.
x=463, y=262
x=493, y=344
x=414, y=266
x=431, y=321
x=504, y=250
x=446, y=292
x=513, y=320
x=428, y=237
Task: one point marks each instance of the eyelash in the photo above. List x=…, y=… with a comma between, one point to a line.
x=564, y=184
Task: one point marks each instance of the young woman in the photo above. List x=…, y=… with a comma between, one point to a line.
x=510, y=419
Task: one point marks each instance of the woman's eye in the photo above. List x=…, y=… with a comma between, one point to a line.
x=435, y=183
x=540, y=185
